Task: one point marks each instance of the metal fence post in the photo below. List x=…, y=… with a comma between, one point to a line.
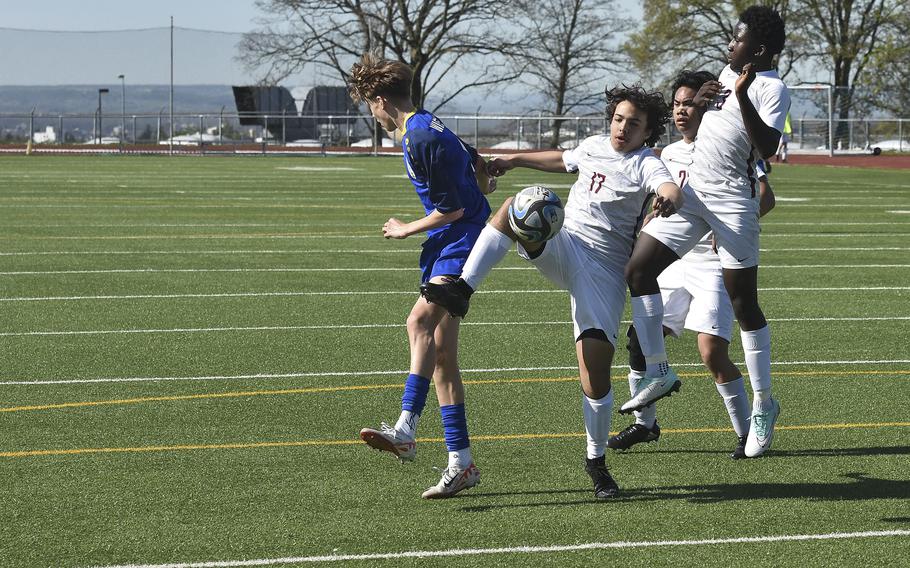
x=900, y=134
x=539, y=130
x=62, y=135
x=265, y=132
x=476, y=130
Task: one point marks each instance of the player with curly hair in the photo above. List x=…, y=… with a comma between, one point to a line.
x=442, y=169
x=617, y=175
x=744, y=117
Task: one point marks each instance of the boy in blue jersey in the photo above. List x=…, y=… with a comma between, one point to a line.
x=442, y=169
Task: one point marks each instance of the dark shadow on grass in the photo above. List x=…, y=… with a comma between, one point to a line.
x=858, y=488
x=905, y=520
x=816, y=452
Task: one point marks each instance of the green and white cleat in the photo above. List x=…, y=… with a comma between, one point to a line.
x=653, y=389
x=761, y=430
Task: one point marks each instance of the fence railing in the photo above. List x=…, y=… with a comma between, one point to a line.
x=506, y=132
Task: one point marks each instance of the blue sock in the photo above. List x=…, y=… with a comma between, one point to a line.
x=455, y=426
x=415, y=394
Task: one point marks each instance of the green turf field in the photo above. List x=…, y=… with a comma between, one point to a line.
x=190, y=345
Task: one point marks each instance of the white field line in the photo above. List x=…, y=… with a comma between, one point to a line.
x=231, y=252
x=369, y=326
x=462, y=552
x=372, y=235
x=375, y=373
x=360, y=251
x=384, y=293
x=374, y=269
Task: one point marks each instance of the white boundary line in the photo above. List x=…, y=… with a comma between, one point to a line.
x=398, y=373
x=460, y=552
x=371, y=269
x=366, y=326
x=383, y=293
x=362, y=251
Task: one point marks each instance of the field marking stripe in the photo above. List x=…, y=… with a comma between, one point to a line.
x=348, y=388
x=384, y=292
x=356, y=251
x=372, y=269
x=371, y=326
x=357, y=442
x=521, y=550
x=399, y=372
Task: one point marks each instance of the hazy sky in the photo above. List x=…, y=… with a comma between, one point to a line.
x=224, y=15
x=61, y=51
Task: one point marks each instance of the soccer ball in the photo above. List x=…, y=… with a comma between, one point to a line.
x=536, y=214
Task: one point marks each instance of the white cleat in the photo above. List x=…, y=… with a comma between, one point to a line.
x=388, y=439
x=761, y=430
x=654, y=389
x=453, y=480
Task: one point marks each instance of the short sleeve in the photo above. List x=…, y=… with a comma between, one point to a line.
x=654, y=173
x=571, y=158
x=441, y=165
x=773, y=105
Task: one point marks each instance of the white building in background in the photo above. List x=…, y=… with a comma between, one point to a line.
x=46, y=137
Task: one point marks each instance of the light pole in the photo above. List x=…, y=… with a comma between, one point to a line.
x=100, y=92
x=122, y=109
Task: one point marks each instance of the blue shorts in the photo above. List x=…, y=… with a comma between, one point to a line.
x=446, y=252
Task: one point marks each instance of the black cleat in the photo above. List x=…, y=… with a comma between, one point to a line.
x=604, y=485
x=634, y=434
x=453, y=295
x=740, y=452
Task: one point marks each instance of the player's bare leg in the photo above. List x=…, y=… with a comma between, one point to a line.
x=400, y=439
x=742, y=286
x=595, y=357
x=460, y=472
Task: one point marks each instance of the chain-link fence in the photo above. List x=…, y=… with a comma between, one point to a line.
x=225, y=131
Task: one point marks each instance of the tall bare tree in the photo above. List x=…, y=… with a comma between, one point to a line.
x=693, y=34
x=567, y=48
x=437, y=38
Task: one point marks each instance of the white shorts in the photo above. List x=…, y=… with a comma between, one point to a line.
x=597, y=291
x=734, y=221
x=695, y=298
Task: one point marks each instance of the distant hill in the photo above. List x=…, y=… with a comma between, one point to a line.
x=140, y=99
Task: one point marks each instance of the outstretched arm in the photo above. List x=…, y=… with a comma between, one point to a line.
x=548, y=161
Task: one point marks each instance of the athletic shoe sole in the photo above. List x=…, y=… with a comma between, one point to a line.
x=630, y=409
x=376, y=440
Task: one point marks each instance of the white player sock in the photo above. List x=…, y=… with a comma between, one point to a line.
x=757, y=351
x=461, y=459
x=648, y=415
x=491, y=247
x=598, y=414
x=648, y=317
x=407, y=423
x=737, y=402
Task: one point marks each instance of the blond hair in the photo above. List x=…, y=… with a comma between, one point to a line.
x=373, y=76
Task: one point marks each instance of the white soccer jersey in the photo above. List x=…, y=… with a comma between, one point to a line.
x=678, y=157
x=611, y=192
x=723, y=164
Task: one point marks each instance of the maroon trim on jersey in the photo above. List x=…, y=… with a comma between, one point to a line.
x=750, y=169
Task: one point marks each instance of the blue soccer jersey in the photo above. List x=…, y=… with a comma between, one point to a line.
x=441, y=167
